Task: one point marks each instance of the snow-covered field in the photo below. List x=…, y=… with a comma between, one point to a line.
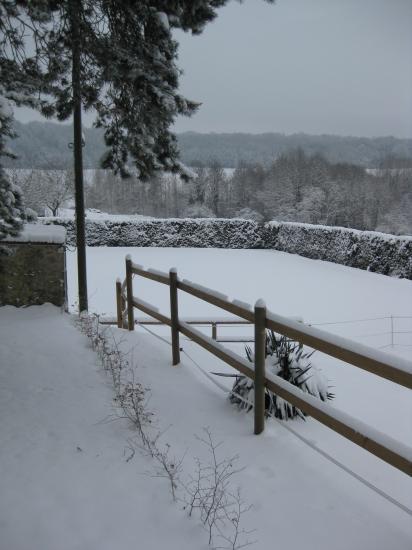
x=64, y=479
x=319, y=292
x=95, y=214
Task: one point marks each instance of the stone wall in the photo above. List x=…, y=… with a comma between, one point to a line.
x=32, y=273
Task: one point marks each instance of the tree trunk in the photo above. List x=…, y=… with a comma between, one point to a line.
x=76, y=6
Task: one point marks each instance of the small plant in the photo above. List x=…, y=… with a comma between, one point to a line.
x=286, y=359
x=209, y=492
x=131, y=400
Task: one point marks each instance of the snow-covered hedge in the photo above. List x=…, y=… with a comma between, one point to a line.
x=197, y=233
x=378, y=252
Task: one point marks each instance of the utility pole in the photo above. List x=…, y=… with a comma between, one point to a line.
x=76, y=6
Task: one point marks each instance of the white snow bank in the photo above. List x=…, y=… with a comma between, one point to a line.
x=64, y=480
x=95, y=214
x=39, y=233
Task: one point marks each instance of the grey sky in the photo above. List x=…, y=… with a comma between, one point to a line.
x=316, y=66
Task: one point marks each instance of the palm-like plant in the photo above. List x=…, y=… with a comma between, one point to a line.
x=286, y=359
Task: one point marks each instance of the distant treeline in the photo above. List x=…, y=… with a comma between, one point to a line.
x=45, y=145
x=296, y=187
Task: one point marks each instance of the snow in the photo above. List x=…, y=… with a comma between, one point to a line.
x=94, y=214
x=158, y=272
x=6, y=110
x=355, y=347
x=66, y=483
x=38, y=233
x=349, y=231
x=243, y=305
x=164, y=21
x=147, y=305
x=64, y=477
x=320, y=293
x=369, y=433
x=206, y=290
x=205, y=320
x=377, y=252
x=246, y=364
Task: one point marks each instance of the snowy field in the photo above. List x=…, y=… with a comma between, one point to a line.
x=65, y=482
x=319, y=292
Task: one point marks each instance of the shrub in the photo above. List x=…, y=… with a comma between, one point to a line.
x=287, y=359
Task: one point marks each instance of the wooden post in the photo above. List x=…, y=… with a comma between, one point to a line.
x=119, y=303
x=260, y=345
x=174, y=316
x=129, y=291
x=214, y=331
x=124, y=324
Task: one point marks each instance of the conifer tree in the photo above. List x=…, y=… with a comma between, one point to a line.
x=117, y=57
x=128, y=69
x=12, y=212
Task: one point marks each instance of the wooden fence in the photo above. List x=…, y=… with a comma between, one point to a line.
x=387, y=366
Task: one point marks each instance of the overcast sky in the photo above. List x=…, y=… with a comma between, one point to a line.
x=316, y=66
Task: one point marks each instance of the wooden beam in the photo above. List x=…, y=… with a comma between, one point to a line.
x=382, y=364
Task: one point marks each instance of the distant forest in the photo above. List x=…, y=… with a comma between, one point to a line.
x=45, y=145
x=295, y=187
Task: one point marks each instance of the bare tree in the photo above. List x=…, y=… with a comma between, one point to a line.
x=46, y=189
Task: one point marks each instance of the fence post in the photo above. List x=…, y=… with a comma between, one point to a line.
x=129, y=291
x=260, y=347
x=119, y=303
x=174, y=316
x=214, y=331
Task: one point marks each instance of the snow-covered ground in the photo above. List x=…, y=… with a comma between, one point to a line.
x=322, y=293
x=319, y=292
x=95, y=214
x=64, y=479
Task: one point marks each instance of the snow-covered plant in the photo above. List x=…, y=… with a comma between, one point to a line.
x=31, y=215
x=211, y=494
x=209, y=491
x=131, y=399
x=287, y=359
x=249, y=214
x=47, y=189
x=12, y=213
x=198, y=211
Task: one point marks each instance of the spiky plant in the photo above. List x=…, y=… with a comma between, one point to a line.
x=287, y=359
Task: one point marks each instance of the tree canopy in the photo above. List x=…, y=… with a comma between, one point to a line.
x=12, y=213
x=129, y=73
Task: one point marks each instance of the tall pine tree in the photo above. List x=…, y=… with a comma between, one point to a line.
x=12, y=212
x=117, y=57
x=128, y=69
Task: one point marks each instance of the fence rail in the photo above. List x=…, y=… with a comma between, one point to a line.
x=392, y=368
x=201, y=321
